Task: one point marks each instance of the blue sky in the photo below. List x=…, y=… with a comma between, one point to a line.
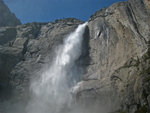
x=49, y=10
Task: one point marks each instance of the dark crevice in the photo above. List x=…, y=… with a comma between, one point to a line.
x=115, y=77
x=84, y=59
x=25, y=47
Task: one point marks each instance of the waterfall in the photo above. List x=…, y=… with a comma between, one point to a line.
x=52, y=90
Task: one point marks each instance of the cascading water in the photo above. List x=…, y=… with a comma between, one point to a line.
x=52, y=91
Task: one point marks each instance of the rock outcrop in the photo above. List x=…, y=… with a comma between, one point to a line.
x=6, y=17
x=115, y=59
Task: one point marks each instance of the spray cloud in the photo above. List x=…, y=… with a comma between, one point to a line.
x=52, y=91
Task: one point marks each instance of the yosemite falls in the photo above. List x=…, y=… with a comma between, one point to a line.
x=52, y=92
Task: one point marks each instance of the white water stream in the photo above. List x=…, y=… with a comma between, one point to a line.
x=52, y=91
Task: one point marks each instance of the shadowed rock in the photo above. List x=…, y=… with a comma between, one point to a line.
x=7, y=18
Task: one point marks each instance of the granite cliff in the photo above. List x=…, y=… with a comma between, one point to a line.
x=115, y=58
x=119, y=50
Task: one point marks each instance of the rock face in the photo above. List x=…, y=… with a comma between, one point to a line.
x=118, y=73
x=6, y=17
x=115, y=59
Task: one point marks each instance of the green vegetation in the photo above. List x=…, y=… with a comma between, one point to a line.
x=142, y=109
x=147, y=72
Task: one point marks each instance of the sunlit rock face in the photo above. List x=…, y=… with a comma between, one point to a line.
x=114, y=62
x=119, y=41
x=6, y=17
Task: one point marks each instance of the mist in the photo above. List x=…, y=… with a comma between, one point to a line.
x=52, y=91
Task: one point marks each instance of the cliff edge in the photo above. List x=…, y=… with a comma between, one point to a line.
x=7, y=18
